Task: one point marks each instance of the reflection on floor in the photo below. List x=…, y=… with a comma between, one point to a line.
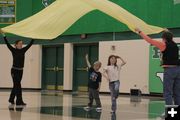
x=69, y=107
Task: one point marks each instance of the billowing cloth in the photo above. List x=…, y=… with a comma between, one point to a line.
x=60, y=15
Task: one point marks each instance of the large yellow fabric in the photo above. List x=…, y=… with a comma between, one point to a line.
x=60, y=15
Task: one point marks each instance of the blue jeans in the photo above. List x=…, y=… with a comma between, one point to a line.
x=171, y=85
x=114, y=89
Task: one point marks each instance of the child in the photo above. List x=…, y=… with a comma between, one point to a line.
x=94, y=84
x=112, y=74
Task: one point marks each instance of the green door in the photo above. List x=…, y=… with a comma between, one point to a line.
x=80, y=79
x=52, y=69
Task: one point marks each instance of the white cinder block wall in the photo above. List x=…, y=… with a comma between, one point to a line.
x=135, y=72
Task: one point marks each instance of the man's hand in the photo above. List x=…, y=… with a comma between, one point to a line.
x=137, y=30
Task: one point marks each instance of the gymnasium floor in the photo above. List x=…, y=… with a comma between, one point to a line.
x=56, y=106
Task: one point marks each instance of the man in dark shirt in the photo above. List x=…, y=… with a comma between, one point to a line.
x=94, y=84
x=170, y=63
x=18, y=54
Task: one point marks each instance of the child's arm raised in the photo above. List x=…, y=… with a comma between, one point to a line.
x=87, y=61
x=123, y=61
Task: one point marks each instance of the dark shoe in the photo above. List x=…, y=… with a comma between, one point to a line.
x=21, y=103
x=11, y=107
x=12, y=102
x=19, y=108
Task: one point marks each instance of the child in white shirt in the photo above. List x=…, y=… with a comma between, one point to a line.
x=112, y=74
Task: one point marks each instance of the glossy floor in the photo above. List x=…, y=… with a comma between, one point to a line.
x=56, y=106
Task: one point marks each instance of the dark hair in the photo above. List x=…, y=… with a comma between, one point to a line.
x=17, y=41
x=168, y=36
x=109, y=63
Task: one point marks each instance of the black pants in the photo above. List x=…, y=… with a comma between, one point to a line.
x=94, y=94
x=16, y=90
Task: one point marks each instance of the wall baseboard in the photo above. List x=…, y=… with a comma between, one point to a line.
x=148, y=95
x=70, y=91
x=24, y=89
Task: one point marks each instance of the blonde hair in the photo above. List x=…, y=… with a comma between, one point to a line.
x=97, y=62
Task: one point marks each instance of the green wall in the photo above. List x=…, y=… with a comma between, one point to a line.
x=23, y=10
x=156, y=12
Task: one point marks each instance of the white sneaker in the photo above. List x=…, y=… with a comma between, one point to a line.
x=113, y=112
x=98, y=109
x=87, y=108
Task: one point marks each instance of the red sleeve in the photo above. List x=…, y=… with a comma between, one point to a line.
x=158, y=44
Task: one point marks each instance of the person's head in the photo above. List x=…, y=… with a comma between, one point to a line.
x=19, y=44
x=97, y=65
x=167, y=36
x=112, y=60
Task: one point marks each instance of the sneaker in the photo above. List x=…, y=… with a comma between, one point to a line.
x=113, y=112
x=12, y=102
x=98, y=109
x=87, y=108
x=11, y=107
x=21, y=104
